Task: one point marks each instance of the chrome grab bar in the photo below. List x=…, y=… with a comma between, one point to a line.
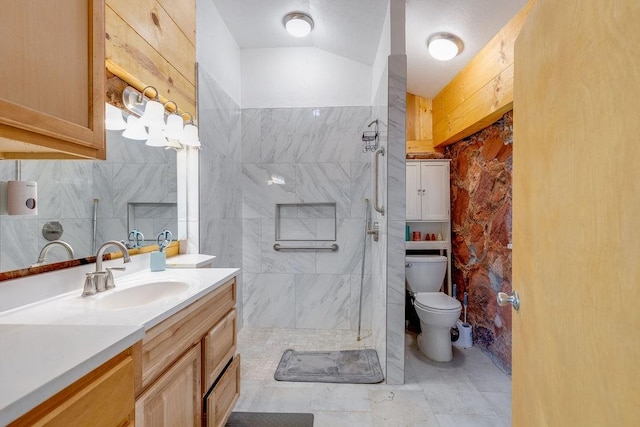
x=376, y=204
x=278, y=247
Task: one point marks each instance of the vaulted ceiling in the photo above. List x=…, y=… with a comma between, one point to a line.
x=352, y=28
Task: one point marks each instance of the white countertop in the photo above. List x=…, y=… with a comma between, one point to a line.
x=190, y=261
x=47, y=345
x=39, y=360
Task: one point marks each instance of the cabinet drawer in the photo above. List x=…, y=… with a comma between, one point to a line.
x=104, y=397
x=169, y=339
x=223, y=396
x=219, y=347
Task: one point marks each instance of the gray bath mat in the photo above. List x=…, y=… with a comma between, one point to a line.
x=269, y=419
x=347, y=366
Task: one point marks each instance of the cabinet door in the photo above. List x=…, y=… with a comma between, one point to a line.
x=52, y=78
x=224, y=395
x=175, y=398
x=219, y=347
x=414, y=191
x=434, y=180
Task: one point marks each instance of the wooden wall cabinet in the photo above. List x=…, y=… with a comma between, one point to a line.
x=52, y=79
x=419, y=125
x=189, y=359
x=104, y=397
x=427, y=191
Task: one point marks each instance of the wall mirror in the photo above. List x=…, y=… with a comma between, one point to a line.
x=136, y=188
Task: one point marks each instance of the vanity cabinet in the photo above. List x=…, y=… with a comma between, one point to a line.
x=104, y=397
x=427, y=190
x=52, y=79
x=187, y=357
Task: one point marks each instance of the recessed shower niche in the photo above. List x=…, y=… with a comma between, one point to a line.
x=306, y=221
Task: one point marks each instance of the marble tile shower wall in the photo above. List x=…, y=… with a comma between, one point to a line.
x=132, y=172
x=304, y=155
x=220, y=219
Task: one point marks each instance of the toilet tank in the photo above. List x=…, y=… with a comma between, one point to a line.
x=425, y=273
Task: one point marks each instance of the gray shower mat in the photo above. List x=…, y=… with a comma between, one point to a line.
x=347, y=366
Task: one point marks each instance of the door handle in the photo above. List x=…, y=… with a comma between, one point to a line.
x=504, y=299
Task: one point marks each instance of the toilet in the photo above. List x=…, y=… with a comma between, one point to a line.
x=437, y=311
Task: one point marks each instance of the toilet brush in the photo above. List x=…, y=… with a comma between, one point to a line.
x=464, y=304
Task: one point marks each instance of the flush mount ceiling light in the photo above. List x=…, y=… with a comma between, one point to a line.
x=298, y=24
x=444, y=46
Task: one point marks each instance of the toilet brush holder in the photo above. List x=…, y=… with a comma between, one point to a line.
x=465, y=340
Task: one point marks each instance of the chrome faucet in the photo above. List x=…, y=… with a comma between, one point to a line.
x=101, y=280
x=45, y=250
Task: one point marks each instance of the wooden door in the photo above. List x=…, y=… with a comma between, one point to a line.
x=413, y=191
x=435, y=194
x=175, y=398
x=576, y=215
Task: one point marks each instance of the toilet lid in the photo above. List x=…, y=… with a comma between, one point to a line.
x=437, y=300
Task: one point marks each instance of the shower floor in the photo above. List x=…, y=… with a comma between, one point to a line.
x=469, y=391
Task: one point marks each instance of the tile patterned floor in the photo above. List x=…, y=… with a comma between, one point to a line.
x=468, y=391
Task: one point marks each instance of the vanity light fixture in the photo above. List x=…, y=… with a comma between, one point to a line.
x=298, y=24
x=156, y=138
x=190, y=134
x=175, y=124
x=113, y=118
x=444, y=46
x=172, y=133
x=153, y=116
x=135, y=129
x=172, y=144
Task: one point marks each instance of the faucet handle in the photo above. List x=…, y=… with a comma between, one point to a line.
x=110, y=282
x=89, y=285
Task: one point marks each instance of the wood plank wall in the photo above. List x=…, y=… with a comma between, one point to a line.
x=482, y=92
x=152, y=43
x=419, y=124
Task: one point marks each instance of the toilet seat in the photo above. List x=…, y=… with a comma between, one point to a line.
x=436, y=302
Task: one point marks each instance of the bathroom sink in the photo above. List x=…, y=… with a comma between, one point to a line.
x=138, y=295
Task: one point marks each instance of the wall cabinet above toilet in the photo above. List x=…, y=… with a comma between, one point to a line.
x=428, y=190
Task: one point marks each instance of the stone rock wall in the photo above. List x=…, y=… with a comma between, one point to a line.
x=481, y=182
